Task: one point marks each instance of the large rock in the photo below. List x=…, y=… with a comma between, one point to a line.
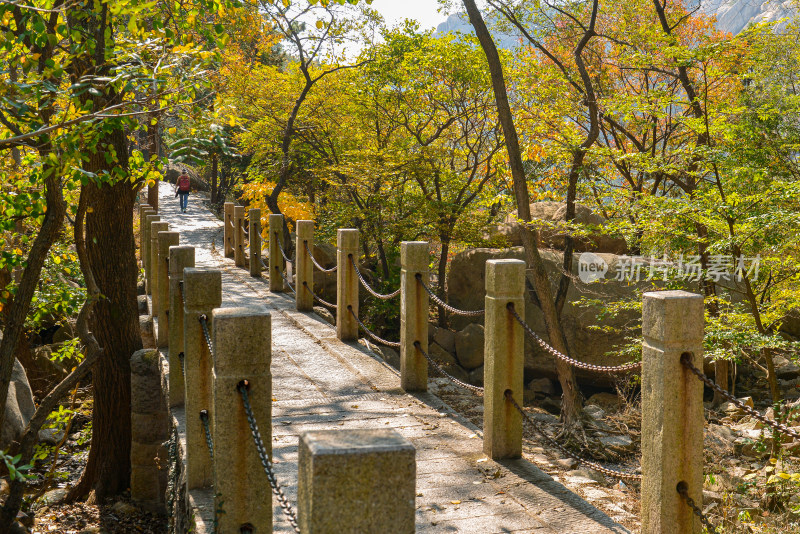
x=549, y=216
x=19, y=406
x=469, y=346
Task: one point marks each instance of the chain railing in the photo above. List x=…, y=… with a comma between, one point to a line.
x=265, y=461
x=207, y=429
x=364, y=283
x=446, y=306
x=571, y=361
x=686, y=361
x=181, y=357
x=316, y=263
x=380, y=340
x=588, y=463
x=283, y=253
x=317, y=297
x=683, y=491
x=451, y=378
x=288, y=283
x=203, y=318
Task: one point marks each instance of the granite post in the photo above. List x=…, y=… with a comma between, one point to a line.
x=155, y=228
x=149, y=219
x=179, y=259
x=304, y=269
x=238, y=235
x=504, y=350
x=672, y=411
x=243, y=351
x=364, y=479
x=414, y=260
x=276, y=264
x=346, y=284
x=228, y=229
x=202, y=293
x=165, y=241
x=255, y=242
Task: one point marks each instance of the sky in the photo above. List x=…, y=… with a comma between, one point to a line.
x=423, y=10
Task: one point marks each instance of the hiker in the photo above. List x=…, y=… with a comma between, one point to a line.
x=183, y=187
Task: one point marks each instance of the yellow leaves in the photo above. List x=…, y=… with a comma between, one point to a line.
x=232, y=121
x=173, y=130
x=320, y=24
x=90, y=210
x=18, y=251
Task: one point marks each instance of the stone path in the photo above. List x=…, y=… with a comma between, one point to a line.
x=320, y=382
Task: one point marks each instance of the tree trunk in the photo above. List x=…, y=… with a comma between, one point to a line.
x=115, y=324
x=571, y=405
x=214, y=172
x=442, y=272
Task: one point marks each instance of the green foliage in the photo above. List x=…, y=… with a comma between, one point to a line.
x=15, y=470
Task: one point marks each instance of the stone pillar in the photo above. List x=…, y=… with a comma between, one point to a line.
x=144, y=210
x=414, y=260
x=228, y=229
x=150, y=429
x=238, y=235
x=179, y=259
x=152, y=194
x=165, y=241
x=303, y=268
x=504, y=358
x=276, y=263
x=148, y=275
x=155, y=228
x=202, y=293
x=364, y=479
x=672, y=411
x=346, y=284
x=243, y=351
x=255, y=242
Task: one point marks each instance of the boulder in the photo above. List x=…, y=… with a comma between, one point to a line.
x=19, y=406
x=786, y=369
x=607, y=401
x=548, y=217
x=476, y=376
x=441, y=354
x=64, y=333
x=542, y=386
x=469, y=346
x=445, y=338
x=143, y=304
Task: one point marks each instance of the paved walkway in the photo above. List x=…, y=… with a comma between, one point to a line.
x=320, y=382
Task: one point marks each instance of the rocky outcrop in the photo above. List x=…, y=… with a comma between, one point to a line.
x=735, y=15
x=19, y=406
x=549, y=218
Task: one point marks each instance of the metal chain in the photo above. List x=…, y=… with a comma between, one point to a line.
x=180, y=289
x=319, y=299
x=588, y=463
x=366, y=285
x=209, y=441
x=265, y=461
x=683, y=492
x=181, y=356
x=316, y=263
x=454, y=380
x=285, y=257
x=203, y=318
x=686, y=360
x=571, y=361
x=370, y=334
x=446, y=306
x=288, y=283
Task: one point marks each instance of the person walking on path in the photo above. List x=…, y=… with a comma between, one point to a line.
x=183, y=187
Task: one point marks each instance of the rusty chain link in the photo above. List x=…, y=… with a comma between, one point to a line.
x=364, y=283
x=370, y=334
x=317, y=297
x=686, y=360
x=265, y=461
x=446, y=306
x=285, y=257
x=181, y=356
x=684, y=492
x=571, y=361
x=203, y=318
x=288, y=283
x=454, y=380
x=588, y=463
x=209, y=441
x=316, y=263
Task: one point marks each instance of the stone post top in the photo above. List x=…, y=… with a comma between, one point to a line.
x=672, y=317
x=347, y=238
x=505, y=278
x=359, y=441
x=672, y=294
x=238, y=210
x=202, y=288
x=305, y=228
x=147, y=208
x=152, y=217
x=254, y=211
x=415, y=255
x=144, y=360
x=242, y=341
x=166, y=239
x=278, y=217
x=156, y=227
x=223, y=314
x=180, y=257
x=228, y=204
